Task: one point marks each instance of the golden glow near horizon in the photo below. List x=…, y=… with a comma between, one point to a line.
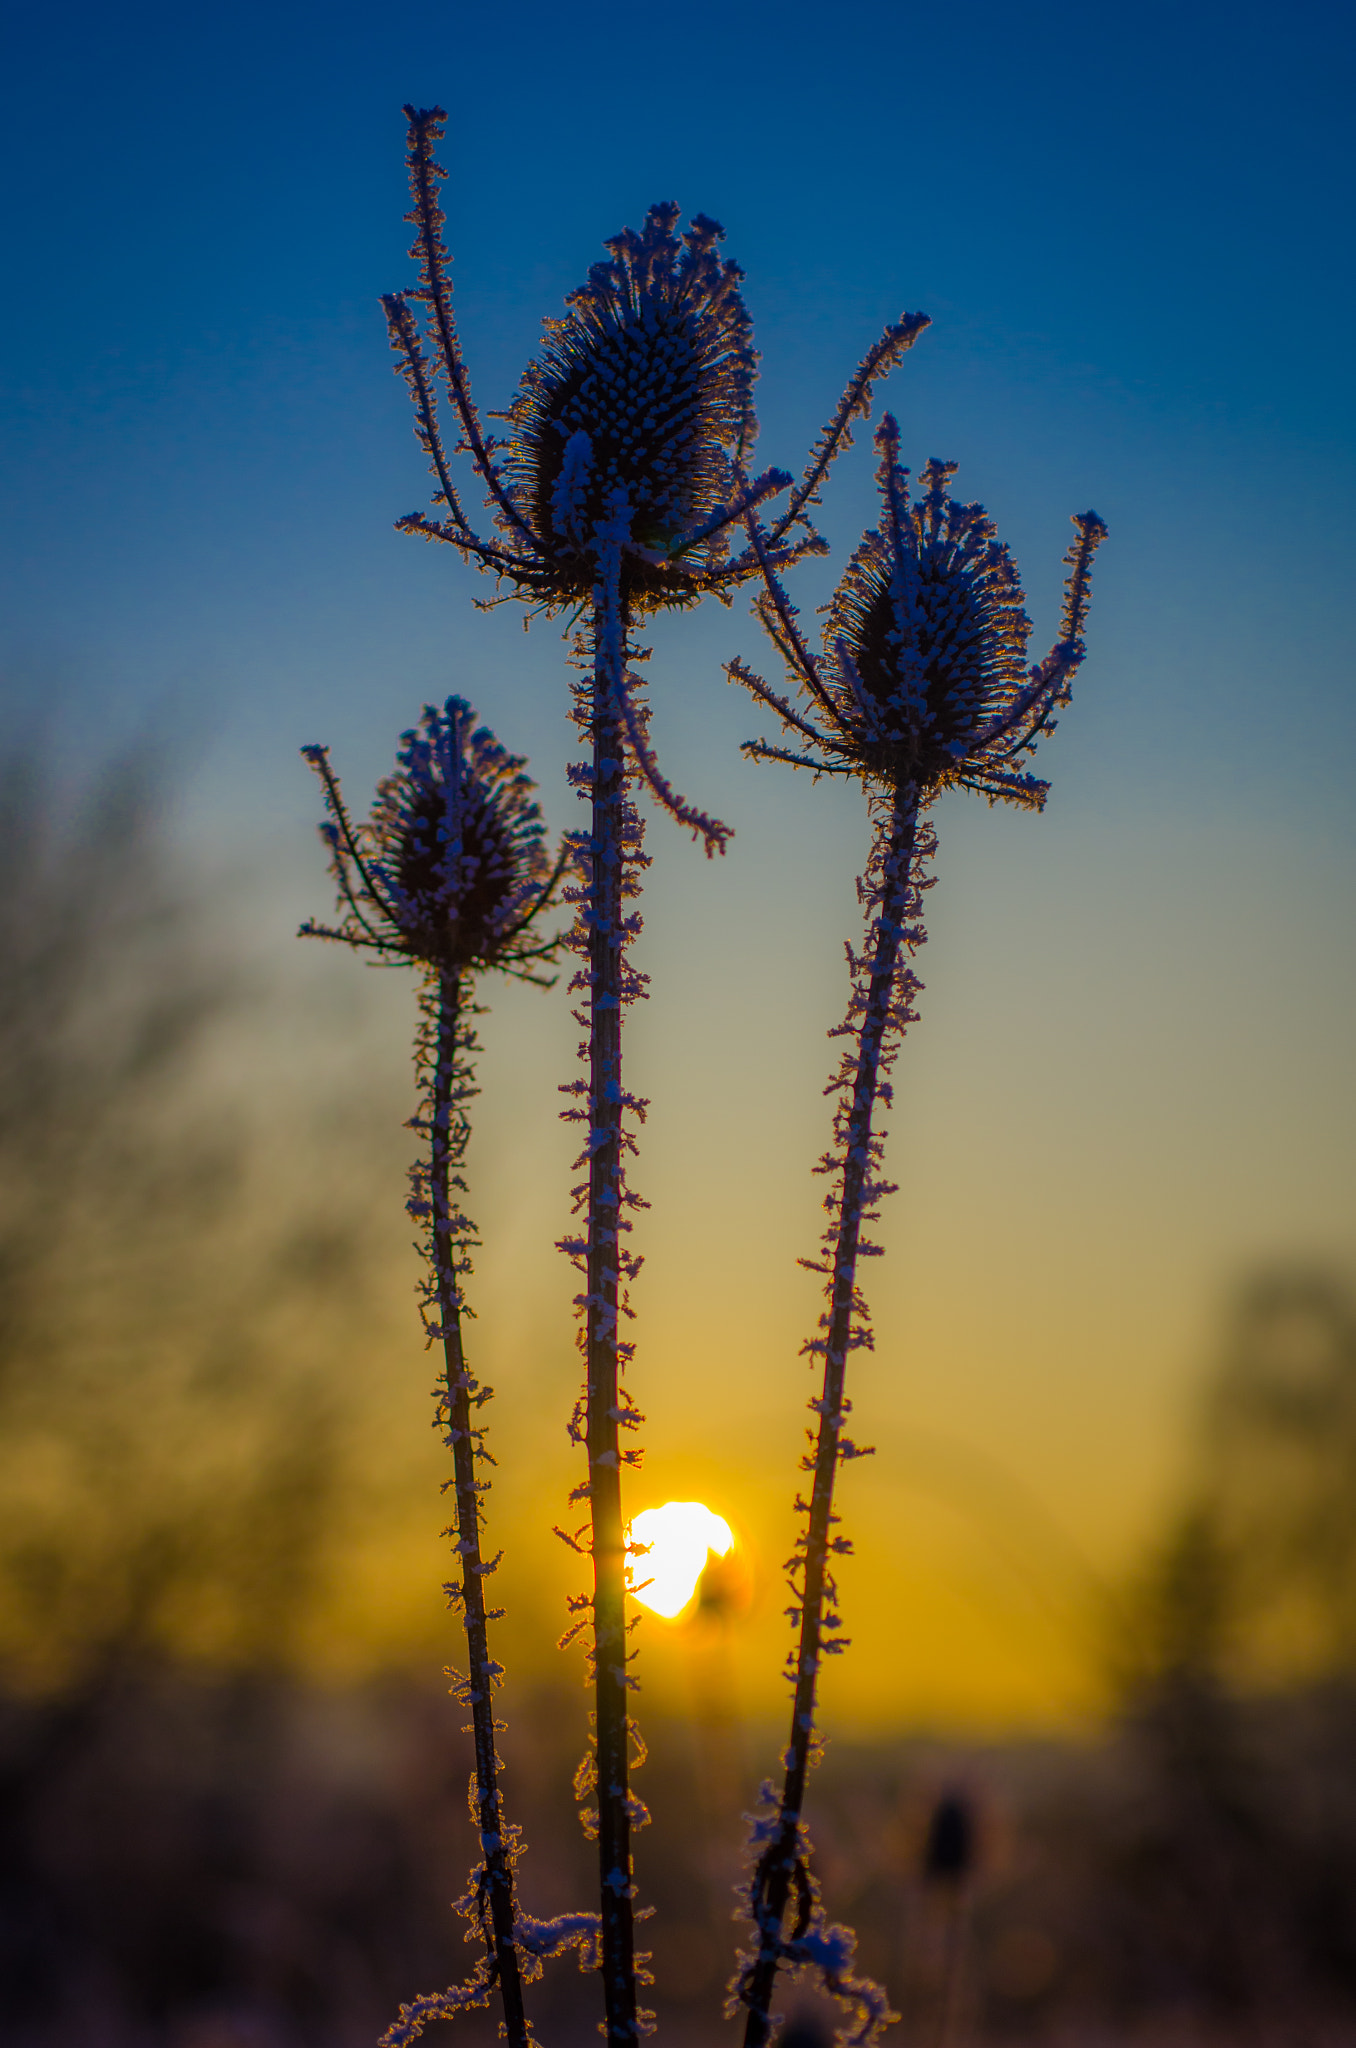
x=680, y=1538
x=1046, y=1310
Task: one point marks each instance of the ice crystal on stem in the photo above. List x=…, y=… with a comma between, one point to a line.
x=616, y=494
x=451, y=874
x=922, y=686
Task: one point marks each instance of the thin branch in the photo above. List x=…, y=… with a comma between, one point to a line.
x=543, y=898
x=800, y=656
x=319, y=758
x=760, y=750
x=404, y=331
x=739, y=567
x=426, y=126
x=739, y=672
x=757, y=493
x=504, y=564
x=710, y=831
x=854, y=404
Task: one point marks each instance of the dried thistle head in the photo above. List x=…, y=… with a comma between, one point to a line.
x=641, y=400
x=625, y=471
x=924, y=681
x=451, y=869
x=927, y=630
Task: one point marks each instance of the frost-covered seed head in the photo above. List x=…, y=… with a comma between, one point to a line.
x=452, y=864
x=923, y=684
x=644, y=390
x=462, y=837
x=928, y=624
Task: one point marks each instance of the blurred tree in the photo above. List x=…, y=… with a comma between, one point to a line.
x=1278, y=1473
x=1255, y=1582
x=175, y=1305
x=1229, y=1856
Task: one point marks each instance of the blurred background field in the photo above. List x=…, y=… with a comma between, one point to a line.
x=1067, y=1803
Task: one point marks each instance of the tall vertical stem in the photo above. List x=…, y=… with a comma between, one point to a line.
x=444, y=1152
x=777, y=1869
x=606, y=939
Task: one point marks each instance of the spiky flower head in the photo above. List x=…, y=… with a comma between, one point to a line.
x=639, y=408
x=451, y=869
x=924, y=680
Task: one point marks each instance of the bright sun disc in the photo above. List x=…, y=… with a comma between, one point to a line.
x=681, y=1536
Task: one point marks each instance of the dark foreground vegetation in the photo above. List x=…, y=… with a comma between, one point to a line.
x=260, y=1865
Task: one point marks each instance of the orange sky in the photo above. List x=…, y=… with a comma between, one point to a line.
x=1106, y=1112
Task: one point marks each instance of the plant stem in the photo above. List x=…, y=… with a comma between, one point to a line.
x=779, y=1865
x=606, y=941
x=445, y=1144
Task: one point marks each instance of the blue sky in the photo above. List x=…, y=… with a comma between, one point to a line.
x=1131, y=228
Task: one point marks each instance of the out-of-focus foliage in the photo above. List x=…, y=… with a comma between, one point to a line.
x=1255, y=1584
x=1219, y=1854
x=184, y=1287
x=1280, y=1478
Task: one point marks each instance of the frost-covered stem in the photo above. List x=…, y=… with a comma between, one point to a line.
x=777, y=1870
x=457, y=1392
x=606, y=940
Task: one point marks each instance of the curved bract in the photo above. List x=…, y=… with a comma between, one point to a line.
x=451, y=868
x=923, y=682
x=642, y=398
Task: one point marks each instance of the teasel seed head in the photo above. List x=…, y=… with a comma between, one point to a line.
x=923, y=681
x=643, y=392
x=927, y=630
x=451, y=869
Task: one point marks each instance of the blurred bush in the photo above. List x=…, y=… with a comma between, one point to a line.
x=179, y=1298
x=190, y=1309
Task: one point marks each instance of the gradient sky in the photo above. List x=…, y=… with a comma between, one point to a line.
x=1133, y=1073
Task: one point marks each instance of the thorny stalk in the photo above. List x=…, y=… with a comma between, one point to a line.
x=602, y=933
x=447, y=1131
x=605, y=1411
x=883, y=986
x=446, y=1043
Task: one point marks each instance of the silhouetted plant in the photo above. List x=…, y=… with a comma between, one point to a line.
x=615, y=496
x=451, y=874
x=922, y=687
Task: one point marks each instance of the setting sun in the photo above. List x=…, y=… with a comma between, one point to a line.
x=679, y=1539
